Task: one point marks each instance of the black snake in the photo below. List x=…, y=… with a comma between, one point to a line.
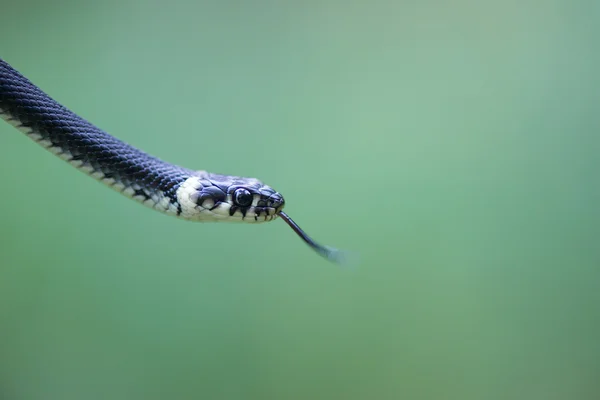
x=189, y=194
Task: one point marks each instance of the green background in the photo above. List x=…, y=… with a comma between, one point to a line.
x=454, y=145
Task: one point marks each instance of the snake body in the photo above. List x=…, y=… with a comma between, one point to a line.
x=189, y=194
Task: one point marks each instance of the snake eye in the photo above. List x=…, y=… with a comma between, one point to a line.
x=242, y=197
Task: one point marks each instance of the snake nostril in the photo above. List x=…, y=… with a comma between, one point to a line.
x=276, y=199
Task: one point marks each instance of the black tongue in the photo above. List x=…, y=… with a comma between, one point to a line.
x=330, y=253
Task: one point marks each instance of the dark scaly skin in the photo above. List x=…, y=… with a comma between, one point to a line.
x=25, y=103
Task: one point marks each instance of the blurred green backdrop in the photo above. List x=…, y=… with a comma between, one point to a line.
x=454, y=145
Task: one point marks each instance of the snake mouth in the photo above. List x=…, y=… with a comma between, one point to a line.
x=267, y=208
x=264, y=214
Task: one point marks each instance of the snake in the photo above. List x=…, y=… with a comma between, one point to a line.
x=193, y=195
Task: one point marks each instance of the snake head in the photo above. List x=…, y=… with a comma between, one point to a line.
x=215, y=197
x=254, y=200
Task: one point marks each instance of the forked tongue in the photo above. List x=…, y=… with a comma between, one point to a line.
x=337, y=256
